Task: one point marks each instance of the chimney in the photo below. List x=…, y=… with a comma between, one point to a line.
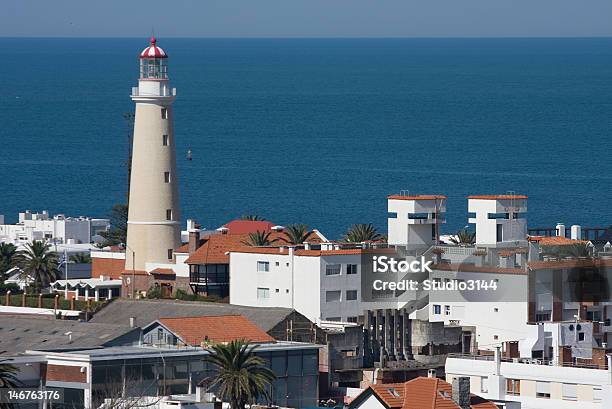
x=132, y=322
x=461, y=392
x=431, y=373
x=576, y=232
x=560, y=230
x=194, y=240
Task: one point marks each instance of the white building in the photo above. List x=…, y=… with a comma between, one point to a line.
x=498, y=218
x=59, y=228
x=533, y=383
x=415, y=219
x=323, y=284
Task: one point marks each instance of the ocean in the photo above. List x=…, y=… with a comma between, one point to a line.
x=317, y=131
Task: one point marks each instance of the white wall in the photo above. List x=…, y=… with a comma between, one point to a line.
x=529, y=374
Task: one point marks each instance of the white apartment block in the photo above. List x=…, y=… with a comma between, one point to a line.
x=324, y=285
x=533, y=383
x=415, y=219
x=498, y=218
x=59, y=228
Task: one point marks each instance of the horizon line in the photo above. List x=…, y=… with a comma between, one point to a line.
x=318, y=37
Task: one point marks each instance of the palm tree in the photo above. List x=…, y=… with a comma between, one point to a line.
x=240, y=376
x=8, y=379
x=259, y=238
x=253, y=218
x=39, y=262
x=463, y=237
x=8, y=258
x=296, y=234
x=359, y=233
x=80, y=258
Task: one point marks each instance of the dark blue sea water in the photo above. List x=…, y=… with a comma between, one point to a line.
x=317, y=131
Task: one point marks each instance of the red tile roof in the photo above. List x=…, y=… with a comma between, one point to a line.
x=219, y=329
x=554, y=240
x=214, y=247
x=416, y=197
x=497, y=197
x=576, y=263
x=248, y=226
x=421, y=393
x=310, y=253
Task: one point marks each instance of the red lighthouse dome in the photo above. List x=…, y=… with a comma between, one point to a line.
x=153, y=51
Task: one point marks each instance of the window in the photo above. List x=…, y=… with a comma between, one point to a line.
x=277, y=290
x=166, y=177
x=168, y=214
x=351, y=295
x=500, y=229
x=569, y=392
x=484, y=384
x=332, y=269
x=334, y=319
x=165, y=140
x=543, y=390
x=495, y=337
x=164, y=113
x=263, y=293
x=447, y=310
x=437, y=309
x=581, y=336
x=332, y=296
x=263, y=266
x=277, y=264
x=351, y=269
x=513, y=387
x=597, y=394
x=495, y=309
x=351, y=319
x=170, y=253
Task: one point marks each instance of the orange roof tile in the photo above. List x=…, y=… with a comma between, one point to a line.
x=248, y=226
x=162, y=271
x=422, y=393
x=416, y=197
x=222, y=328
x=554, y=240
x=497, y=197
x=214, y=247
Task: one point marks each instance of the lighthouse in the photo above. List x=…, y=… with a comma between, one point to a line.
x=153, y=220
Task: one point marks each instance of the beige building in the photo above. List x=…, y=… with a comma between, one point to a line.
x=154, y=219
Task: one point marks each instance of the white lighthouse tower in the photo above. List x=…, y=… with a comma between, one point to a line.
x=153, y=220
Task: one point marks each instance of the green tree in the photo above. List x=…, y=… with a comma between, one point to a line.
x=80, y=258
x=359, y=233
x=253, y=218
x=259, y=238
x=39, y=262
x=118, y=230
x=296, y=234
x=8, y=379
x=463, y=237
x=240, y=377
x=8, y=258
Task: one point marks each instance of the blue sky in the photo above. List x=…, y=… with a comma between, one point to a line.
x=306, y=18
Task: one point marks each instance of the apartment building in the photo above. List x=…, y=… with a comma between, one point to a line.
x=58, y=229
x=534, y=383
x=324, y=284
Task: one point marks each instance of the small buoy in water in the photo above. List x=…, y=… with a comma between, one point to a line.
x=189, y=154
